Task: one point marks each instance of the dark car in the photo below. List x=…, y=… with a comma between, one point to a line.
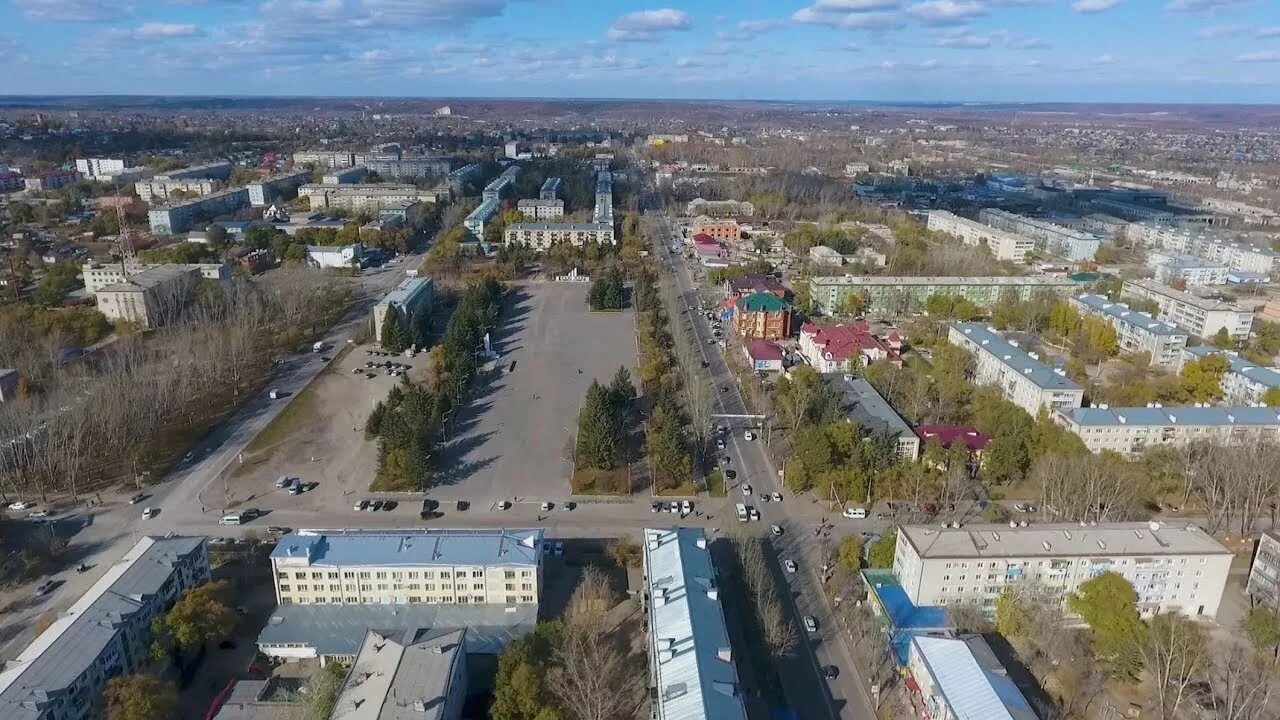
x=462, y=505
x=832, y=672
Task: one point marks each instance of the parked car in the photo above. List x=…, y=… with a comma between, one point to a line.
x=38, y=515
x=810, y=624
x=559, y=549
x=657, y=507
x=545, y=506
x=148, y=513
x=686, y=506
x=746, y=490
x=21, y=505
x=777, y=497
x=374, y=506
x=789, y=565
x=45, y=588
x=362, y=505
x=775, y=529
x=137, y=498
x=854, y=513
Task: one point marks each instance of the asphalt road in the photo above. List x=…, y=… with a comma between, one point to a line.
x=810, y=695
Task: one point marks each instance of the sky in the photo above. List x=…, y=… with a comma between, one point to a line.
x=878, y=50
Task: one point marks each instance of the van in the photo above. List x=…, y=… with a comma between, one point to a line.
x=282, y=481
x=236, y=519
x=742, y=512
x=855, y=513
x=295, y=486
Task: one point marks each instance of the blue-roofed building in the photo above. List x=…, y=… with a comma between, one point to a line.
x=409, y=566
x=1020, y=375
x=476, y=220
x=691, y=665
x=1245, y=382
x=960, y=679
x=1136, y=332
x=1131, y=430
x=412, y=295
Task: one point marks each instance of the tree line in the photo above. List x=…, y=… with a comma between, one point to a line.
x=605, y=424
x=608, y=291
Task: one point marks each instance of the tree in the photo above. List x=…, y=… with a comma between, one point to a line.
x=1262, y=626
x=593, y=678
x=139, y=697
x=521, y=690
x=849, y=556
x=395, y=338
x=883, y=550
x=199, y=616
x=1221, y=339
x=622, y=396
x=1202, y=378
x=1012, y=618
x=1271, y=397
x=1174, y=654
x=625, y=552
x=1110, y=605
x=598, y=438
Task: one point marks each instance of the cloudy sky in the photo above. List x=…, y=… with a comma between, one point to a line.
x=909, y=50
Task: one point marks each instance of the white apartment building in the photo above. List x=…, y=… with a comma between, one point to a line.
x=335, y=256
x=345, y=175
x=823, y=255
x=105, y=633
x=1210, y=246
x=1021, y=377
x=1264, y=574
x=540, y=236
x=220, y=170
x=393, y=567
x=181, y=216
x=1136, y=332
x=1194, y=271
x=1173, y=568
x=540, y=208
x=284, y=186
x=1053, y=238
x=476, y=219
x=1198, y=316
x=161, y=189
x=1131, y=430
x=100, y=168
x=1002, y=244
x=1244, y=383
x=720, y=208
x=371, y=197
x=150, y=298
x=499, y=185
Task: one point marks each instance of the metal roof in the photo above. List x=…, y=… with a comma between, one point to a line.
x=860, y=401
x=1155, y=288
x=1058, y=540
x=964, y=685
x=339, y=629
x=1014, y=357
x=1172, y=416
x=412, y=547
x=1099, y=305
x=1265, y=376
x=406, y=291
x=62, y=654
x=689, y=648
x=403, y=676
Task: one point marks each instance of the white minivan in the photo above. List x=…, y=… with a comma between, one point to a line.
x=742, y=512
x=236, y=519
x=855, y=513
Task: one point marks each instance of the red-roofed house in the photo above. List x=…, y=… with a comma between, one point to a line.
x=764, y=355
x=834, y=348
x=947, y=435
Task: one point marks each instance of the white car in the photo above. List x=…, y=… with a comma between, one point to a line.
x=504, y=504
x=746, y=490
x=777, y=497
x=546, y=506
x=753, y=513
x=790, y=565
x=21, y=505
x=748, y=435
x=686, y=506
x=775, y=529
x=38, y=515
x=148, y=513
x=810, y=624
x=854, y=513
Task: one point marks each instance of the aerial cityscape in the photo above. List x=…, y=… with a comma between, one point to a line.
x=807, y=360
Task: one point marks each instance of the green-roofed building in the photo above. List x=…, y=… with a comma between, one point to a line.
x=762, y=316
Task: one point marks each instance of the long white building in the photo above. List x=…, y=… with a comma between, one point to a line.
x=1051, y=237
x=1211, y=246
x=1198, y=316
x=1131, y=430
x=1019, y=375
x=1136, y=332
x=540, y=236
x=1245, y=382
x=1173, y=568
x=691, y=663
x=1002, y=244
x=368, y=197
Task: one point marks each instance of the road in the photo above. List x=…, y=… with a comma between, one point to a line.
x=189, y=499
x=810, y=695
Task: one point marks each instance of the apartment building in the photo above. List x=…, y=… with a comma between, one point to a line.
x=213, y=171
x=183, y=215
x=550, y=189
x=540, y=209
x=1249, y=213
x=50, y=180
x=345, y=175
x=823, y=255
x=1020, y=376
x=415, y=674
x=367, y=197
x=1244, y=382
x=540, y=236
x=1199, y=316
x=105, y=633
x=1264, y=574
x=1208, y=245
x=1131, y=430
x=1192, y=271
x=411, y=296
x=603, y=212
x=150, y=298
x=403, y=167
x=476, y=567
x=866, y=408
x=959, y=678
x=720, y=208
x=99, y=275
x=325, y=159
x=100, y=168
x=498, y=186
x=1003, y=245
x=904, y=295
x=1136, y=332
x=1165, y=214
x=275, y=188
x=691, y=662
x=161, y=189
x=1173, y=568
x=1065, y=242
x=722, y=229
x=476, y=219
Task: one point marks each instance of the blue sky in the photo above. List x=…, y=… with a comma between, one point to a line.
x=908, y=50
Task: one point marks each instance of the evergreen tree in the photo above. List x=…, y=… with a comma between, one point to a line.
x=394, y=337
x=622, y=395
x=598, y=439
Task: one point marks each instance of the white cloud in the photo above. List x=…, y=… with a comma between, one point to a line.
x=1268, y=32
x=1206, y=6
x=1265, y=56
x=1094, y=6
x=946, y=12
x=851, y=14
x=160, y=31
x=753, y=27
x=685, y=62
x=1028, y=43
x=459, y=48
x=1103, y=59
x=1219, y=31
x=74, y=10
x=647, y=25
x=965, y=39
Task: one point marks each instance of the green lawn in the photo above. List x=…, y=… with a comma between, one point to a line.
x=294, y=414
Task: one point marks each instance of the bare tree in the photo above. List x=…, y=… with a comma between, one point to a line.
x=1174, y=655
x=594, y=677
x=1086, y=488
x=1239, y=683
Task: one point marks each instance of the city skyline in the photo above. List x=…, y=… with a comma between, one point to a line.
x=1195, y=51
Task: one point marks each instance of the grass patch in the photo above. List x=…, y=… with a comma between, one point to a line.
x=682, y=490
x=715, y=483
x=590, y=481
x=292, y=416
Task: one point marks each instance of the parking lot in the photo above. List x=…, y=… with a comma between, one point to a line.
x=511, y=439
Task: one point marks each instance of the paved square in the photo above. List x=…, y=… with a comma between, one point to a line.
x=513, y=435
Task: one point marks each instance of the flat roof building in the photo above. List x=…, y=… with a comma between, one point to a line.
x=961, y=679
x=1244, y=382
x=863, y=406
x=270, y=190
x=407, y=166
x=1136, y=332
x=541, y=209
x=498, y=186
x=368, y=197
x=414, y=675
x=899, y=295
x=1003, y=245
x=550, y=189
x=220, y=170
x=1199, y=316
x=478, y=218
x=150, y=298
x=345, y=175
x=183, y=215
x=105, y=633
x=691, y=663
x=1131, y=430
x=1019, y=375
x=1263, y=585
x=540, y=236
x=1173, y=567
x=412, y=295
x=1051, y=237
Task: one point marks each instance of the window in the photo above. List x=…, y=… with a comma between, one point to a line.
x=509, y=574
x=284, y=588
x=462, y=599
x=364, y=575
x=381, y=575
x=414, y=599
x=365, y=588
x=382, y=586
x=317, y=576
x=333, y=576
x=348, y=576
x=511, y=599
x=526, y=598
x=299, y=576
x=526, y=586
x=510, y=587
x=477, y=586
x=526, y=573
x=413, y=574
x=282, y=575
x=302, y=588
x=396, y=575
x=428, y=575
x=477, y=573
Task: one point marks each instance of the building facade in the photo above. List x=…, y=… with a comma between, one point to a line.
x=335, y=256
x=541, y=209
x=1003, y=245
x=370, y=198
x=476, y=567
x=1131, y=430
x=1264, y=574
x=183, y=215
x=720, y=208
x=1190, y=270
x=722, y=229
x=50, y=180
x=97, y=275
x=105, y=633
x=1244, y=382
x=905, y=295
x=1020, y=376
x=271, y=190
x=100, y=168
x=839, y=348
x=550, y=189
x=762, y=316
x=345, y=175
x=1136, y=332
x=150, y=298
x=412, y=295
x=1051, y=237
x=160, y=189
x=1199, y=316
x=498, y=186
x=540, y=236
x=1173, y=568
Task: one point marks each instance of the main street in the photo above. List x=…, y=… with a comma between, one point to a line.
x=802, y=677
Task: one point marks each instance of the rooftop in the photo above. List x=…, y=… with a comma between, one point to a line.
x=762, y=302
x=410, y=547
x=1099, y=305
x=1265, y=376
x=560, y=226
x=403, y=676
x=149, y=278
x=970, y=690
x=1057, y=540
x=1157, y=416
x=948, y=434
x=1206, y=304
x=865, y=407
x=688, y=643
x=1014, y=357
x=196, y=201
x=1041, y=280
x=760, y=350
x=405, y=291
